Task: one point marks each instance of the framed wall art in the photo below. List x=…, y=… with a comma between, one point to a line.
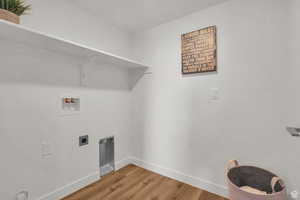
x=199, y=51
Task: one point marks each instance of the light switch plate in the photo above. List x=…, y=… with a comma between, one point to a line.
x=214, y=94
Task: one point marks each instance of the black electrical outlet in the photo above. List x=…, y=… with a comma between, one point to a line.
x=83, y=140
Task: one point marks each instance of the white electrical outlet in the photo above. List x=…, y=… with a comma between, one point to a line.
x=45, y=149
x=294, y=194
x=23, y=195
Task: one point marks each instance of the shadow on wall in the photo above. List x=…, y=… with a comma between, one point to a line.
x=199, y=74
x=26, y=65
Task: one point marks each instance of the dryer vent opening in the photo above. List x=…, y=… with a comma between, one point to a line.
x=107, y=155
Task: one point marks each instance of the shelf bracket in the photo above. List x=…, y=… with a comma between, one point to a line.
x=295, y=132
x=83, y=70
x=137, y=75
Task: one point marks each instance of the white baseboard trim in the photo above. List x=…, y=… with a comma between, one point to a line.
x=71, y=187
x=191, y=180
x=79, y=184
x=122, y=163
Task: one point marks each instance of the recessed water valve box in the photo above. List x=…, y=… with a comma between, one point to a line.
x=70, y=104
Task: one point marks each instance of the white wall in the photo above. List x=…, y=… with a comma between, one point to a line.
x=64, y=18
x=30, y=114
x=292, y=108
x=293, y=78
x=32, y=83
x=179, y=127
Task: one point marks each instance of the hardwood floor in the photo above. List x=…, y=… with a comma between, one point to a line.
x=135, y=183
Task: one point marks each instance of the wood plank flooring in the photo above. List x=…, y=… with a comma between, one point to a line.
x=135, y=183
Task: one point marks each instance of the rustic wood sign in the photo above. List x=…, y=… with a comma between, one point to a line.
x=199, y=51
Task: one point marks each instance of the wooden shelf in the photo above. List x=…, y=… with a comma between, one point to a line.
x=20, y=34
